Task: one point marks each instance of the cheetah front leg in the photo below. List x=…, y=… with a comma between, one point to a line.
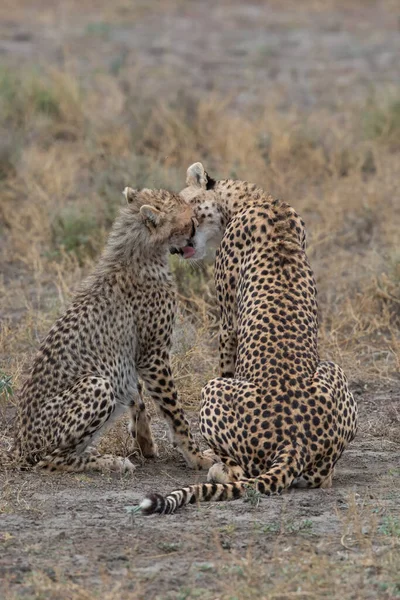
x=157, y=376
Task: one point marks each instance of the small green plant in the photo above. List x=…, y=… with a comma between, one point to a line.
x=229, y=529
x=306, y=525
x=236, y=570
x=392, y=588
x=6, y=387
x=252, y=496
x=390, y=526
x=205, y=566
x=271, y=528
x=169, y=547
x=299, y=526
x=132, y=511
x=184, y=593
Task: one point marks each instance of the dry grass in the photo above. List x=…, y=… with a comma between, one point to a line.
x=67, y=156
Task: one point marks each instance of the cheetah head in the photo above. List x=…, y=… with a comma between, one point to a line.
x=200, y=194
x=165, y=219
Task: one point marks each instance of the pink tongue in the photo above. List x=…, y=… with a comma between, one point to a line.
x=188, y=251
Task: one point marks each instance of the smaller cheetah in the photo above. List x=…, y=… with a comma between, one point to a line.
x=118, y=328
x=278, y=416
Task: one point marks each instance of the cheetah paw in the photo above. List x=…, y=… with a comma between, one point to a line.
x=218, y=473
x=199, y=460
x=210, y=455
x=125, y=465
x=118, y=463
x=146, y=448
x=206, y=459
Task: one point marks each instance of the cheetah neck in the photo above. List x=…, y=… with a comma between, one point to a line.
x=284, y=224
x=235, y=196
x=137, y=268
x=128, y=259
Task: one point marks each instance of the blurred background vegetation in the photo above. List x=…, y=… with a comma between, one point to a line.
x=97, y=96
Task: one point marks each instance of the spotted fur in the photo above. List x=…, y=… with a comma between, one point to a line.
x=278, y=415
x=118, y=328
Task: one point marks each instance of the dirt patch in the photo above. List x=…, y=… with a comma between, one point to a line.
x=78, y=528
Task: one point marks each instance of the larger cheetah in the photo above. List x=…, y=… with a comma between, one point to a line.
x=278, y=415
x=117, y=329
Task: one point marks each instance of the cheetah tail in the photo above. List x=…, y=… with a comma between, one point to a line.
x=286, y=467
x=202, y=492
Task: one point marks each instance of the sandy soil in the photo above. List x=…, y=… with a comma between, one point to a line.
x=78, y=527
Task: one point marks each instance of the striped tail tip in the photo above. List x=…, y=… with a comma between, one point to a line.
x=152, y=504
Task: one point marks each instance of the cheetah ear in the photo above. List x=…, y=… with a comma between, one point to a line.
x=151, y=214
x=130, y=194
x=196, y=176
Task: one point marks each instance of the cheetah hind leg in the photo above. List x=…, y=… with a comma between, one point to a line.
x=314, y=479
x=139, y=428
x=64, y=460
x=225, y=472
x=83, y=412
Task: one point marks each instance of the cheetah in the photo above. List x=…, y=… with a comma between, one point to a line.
x=277, y=416
x=116, y=330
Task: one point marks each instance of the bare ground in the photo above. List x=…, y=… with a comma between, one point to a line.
x=64, y=530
